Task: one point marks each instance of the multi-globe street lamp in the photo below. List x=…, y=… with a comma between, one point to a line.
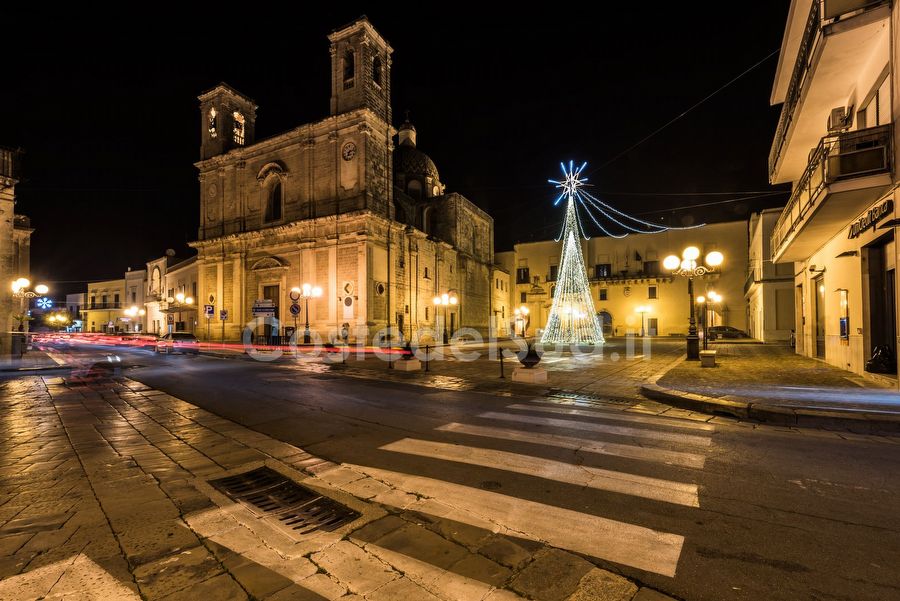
x=711, y=297
x=445, y=300
x=521, y=314
x=642, y=309
x=306, y=292
x=687, y=266
x=21, y=289
x=58, y=320
x=133, y=311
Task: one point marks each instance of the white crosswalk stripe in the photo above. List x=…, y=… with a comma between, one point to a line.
x=612, y=540
x=588, y=445
x=654, y=444
x=581, y=475
x=595, y=427
x=618, y=416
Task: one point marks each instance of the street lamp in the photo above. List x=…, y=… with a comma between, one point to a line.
x=445, y=300
x=521, y=314
x=20, y=290
x=688, y=267
x=306, y=292
x=642, y=309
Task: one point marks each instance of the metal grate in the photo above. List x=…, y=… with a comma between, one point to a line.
x=275, y=495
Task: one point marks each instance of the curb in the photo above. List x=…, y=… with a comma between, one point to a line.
x=33, y=369
x=863, y=422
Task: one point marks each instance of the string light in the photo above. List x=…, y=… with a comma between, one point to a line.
x=572, y=317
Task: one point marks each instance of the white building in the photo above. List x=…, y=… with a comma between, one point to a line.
x=171, y=300
x=769, y=289
x=835, y=143
x=75, y=305
x=627, y=274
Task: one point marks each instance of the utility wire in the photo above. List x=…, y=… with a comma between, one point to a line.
x=659, y=129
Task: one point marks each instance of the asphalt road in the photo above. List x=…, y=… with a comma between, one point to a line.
x=733, y=511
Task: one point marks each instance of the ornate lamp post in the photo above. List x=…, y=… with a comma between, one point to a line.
x=688, y=267
x=521, y=314
x=643, y=309
x=445, y=300
x=133, y=311
x=21, y=289
x=306, y=292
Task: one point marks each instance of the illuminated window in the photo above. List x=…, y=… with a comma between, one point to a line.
x=651, y=292
x=604, y=293
x=349, y=69
x=274, y=201
x=376, y=70
x=238, y=128
x=211, y=123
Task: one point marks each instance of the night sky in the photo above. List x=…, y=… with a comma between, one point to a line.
x=108, y=115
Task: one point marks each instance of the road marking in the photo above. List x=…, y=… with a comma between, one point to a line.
x=680, y=458
x=619, y=542
x=656, y=489
x=617, y=416
x=594, y=427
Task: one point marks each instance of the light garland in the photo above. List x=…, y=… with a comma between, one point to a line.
x=572, y=317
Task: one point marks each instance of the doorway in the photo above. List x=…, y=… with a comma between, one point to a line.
x=606, y=322
x=270, y=327
x=652, y=326
x=819, y=296
x=882, y=305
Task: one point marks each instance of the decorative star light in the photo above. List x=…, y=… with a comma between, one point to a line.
x=571, y=182
x=43, y=303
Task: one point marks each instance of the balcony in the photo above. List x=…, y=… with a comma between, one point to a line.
x=838, y=40
x=846, y=173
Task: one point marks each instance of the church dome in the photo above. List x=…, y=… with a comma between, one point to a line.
x=411, y=162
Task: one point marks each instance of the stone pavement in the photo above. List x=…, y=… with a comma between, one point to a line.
x=616, y=372
x=772, y=383
x=33, y=360
x=104, y=494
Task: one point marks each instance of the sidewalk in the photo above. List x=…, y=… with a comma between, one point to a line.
x=33, y=360
x=106, y=494
x=771, y=383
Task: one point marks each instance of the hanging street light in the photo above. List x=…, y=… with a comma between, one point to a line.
x=688, y=266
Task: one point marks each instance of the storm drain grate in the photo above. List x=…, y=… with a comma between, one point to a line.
x=296, y=506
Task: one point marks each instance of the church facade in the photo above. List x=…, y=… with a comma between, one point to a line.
x=334, y=204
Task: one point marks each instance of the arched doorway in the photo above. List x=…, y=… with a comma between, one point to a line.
x=605, y=322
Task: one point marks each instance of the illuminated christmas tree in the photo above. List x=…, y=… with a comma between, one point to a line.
x=572, y=317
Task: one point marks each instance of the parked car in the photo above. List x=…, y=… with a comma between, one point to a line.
x=725, y=332
x=178, y=342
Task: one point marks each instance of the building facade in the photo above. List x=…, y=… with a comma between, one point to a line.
x=104, y=309
x=627, y=274
x=769, y=289
x=75, y=305
x=835, y=143
x=335, y=205
x=15, y=248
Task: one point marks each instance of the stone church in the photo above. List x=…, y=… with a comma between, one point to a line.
x=335, y=204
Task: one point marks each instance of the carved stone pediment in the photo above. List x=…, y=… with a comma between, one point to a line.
x=269, y=263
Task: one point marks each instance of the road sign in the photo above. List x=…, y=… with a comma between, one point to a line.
x=209, y=311
x=295, y=309
x=259, y=311
x=170, y=318
x=223, y=314
x=212, y=298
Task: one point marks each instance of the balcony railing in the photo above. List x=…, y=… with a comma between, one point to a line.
x=837, y=157
x=821, y=14
x=103, y=306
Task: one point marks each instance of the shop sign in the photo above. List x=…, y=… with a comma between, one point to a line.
x=872, y=217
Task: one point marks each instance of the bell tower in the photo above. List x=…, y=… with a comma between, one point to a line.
x=360, y=70
x=227, y=121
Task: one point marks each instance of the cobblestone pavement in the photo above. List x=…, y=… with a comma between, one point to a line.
x=104, y=494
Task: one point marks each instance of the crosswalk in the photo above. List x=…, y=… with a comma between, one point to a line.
x=643, y=443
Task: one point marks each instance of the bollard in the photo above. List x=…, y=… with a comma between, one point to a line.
x=426, y=357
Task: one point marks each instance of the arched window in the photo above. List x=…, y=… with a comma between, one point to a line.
x=376, y=70
x=238, y=128
x=274, y=200
x=211, y=123
x=349, y=68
